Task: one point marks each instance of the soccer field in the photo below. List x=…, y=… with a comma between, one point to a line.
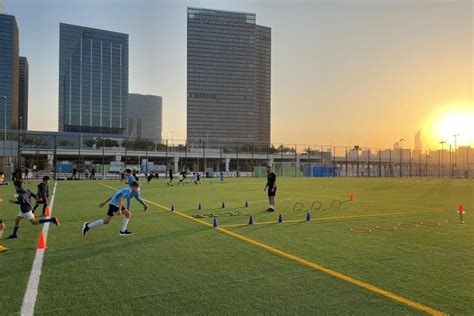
x=397, y=248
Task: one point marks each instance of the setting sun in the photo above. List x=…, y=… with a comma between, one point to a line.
x=453, y=119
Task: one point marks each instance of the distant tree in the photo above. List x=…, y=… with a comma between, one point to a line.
x=65, y=143
x=89, y=142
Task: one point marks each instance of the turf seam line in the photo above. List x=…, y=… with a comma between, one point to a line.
x=361, y=284
x=31, y=293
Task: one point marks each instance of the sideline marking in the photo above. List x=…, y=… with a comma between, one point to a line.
x=362, y=284
x=29, y=300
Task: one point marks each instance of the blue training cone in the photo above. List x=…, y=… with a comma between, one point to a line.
x=214, y=224
x=280, y=218
x=251, y=220
x=199, y=206
x=172, y=207
x=223, y=204
x=308, y=216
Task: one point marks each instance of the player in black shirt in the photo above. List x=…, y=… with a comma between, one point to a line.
x=272, y=187
x=170, y=177
x=43, y=195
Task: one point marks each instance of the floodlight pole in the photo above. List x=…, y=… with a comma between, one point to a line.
x=356, y=148
x=455, y=152
x=440, y=156
x=401, y=156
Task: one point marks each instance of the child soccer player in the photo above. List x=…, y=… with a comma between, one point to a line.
x=150, y=176
x=222, y=177
x=43, y=195
x=271, y=186
x=129, y=177
x=195, y=178
x=116, y=207
x=181, y=179
x=130, y=180
x=26, y=210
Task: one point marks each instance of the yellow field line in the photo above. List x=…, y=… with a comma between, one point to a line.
x=334, y=218
x=362, y=284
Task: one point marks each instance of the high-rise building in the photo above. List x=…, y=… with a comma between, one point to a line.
x=418, y=143
x=228, y=77
x=9, y=71
x=144, y=116
x=93, y=80
x=23, y=94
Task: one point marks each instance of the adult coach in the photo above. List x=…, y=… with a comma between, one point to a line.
x=271, y=188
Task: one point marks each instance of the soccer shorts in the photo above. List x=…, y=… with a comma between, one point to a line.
x=272, y=192
x=28, y=215
x=42, y=200
x=113, y=209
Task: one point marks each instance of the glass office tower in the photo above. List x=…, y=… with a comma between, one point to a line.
x=93, y=80
x=23, y=94
x=228, y=77
x=9, y=71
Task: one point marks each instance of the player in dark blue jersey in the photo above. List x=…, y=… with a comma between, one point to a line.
x=26, y=209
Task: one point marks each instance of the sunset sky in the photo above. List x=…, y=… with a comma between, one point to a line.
x=344, y=72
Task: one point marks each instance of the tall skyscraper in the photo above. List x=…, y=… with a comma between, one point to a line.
x=23, y=94
x=93, y=80
x=418, y=143
x=228, y=73
x=9, y=71
x=144, y=116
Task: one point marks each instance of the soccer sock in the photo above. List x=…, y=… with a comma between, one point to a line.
x=125, y=224
x=96, y=223
x=15, y=230
x=44, y=208
x=34, y=208
x=46, y=220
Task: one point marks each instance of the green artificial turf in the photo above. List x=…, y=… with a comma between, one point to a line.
x=174, y=265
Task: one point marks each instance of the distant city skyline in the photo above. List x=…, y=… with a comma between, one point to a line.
x=359, y=72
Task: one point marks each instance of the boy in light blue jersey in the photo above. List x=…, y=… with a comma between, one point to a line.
x=130, y=178
x=116, y=207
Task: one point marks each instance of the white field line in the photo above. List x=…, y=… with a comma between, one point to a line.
x=29, y=300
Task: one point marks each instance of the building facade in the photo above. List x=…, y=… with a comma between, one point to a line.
x=144, y=116
x=9, y=71
x=228, y=77
x=23, y=94
x=418, y=143
x=93, y=80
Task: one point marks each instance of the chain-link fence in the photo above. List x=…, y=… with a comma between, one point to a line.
x=71, y=155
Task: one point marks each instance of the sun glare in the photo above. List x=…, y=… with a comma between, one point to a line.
x=454, y=119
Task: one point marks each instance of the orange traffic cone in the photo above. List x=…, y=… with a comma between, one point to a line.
x=351, y=197
x=41, y=242
x=47, y=212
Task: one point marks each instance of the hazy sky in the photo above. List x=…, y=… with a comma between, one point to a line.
x=343, y=71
